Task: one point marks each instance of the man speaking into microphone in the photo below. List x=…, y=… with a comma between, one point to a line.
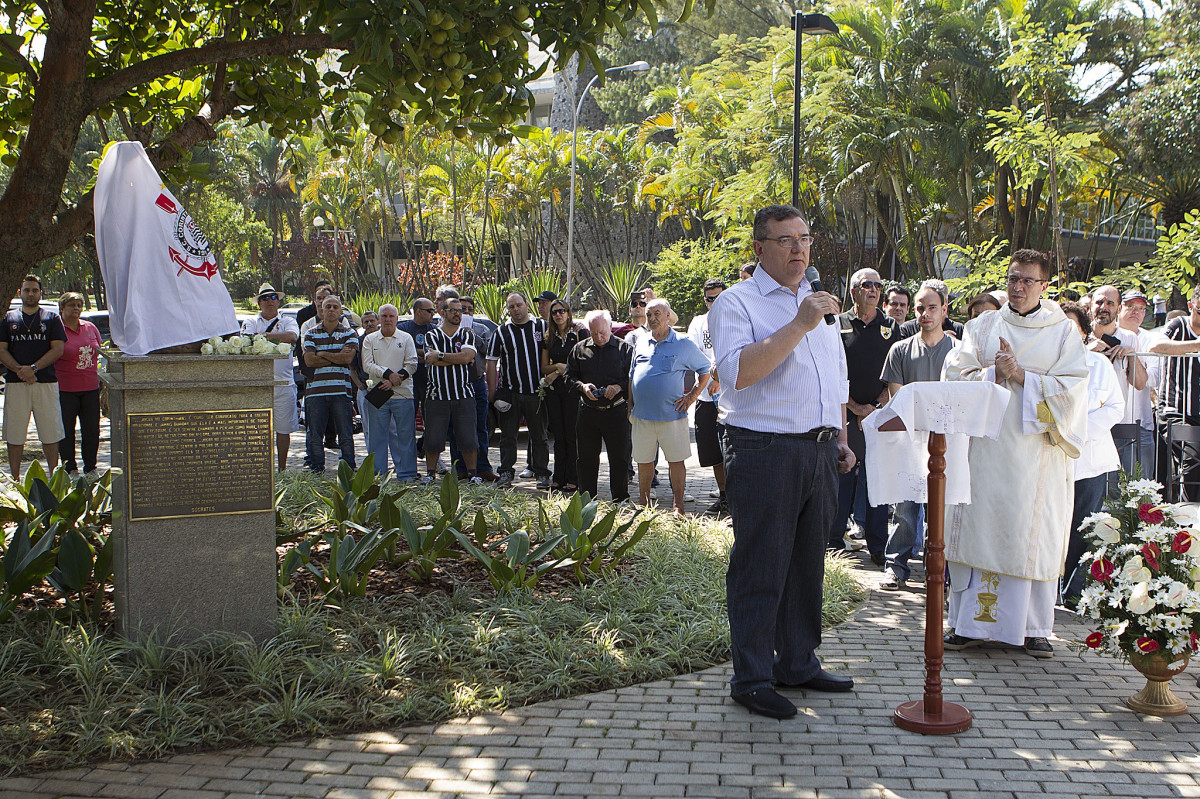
x=784, y=387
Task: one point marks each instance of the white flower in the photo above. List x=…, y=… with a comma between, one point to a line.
x=214, y=341
x=1139, y=599
x=1148, y=490
x=206, y=349
x=1105, y=528
x=283, y=349
x=1182, y=515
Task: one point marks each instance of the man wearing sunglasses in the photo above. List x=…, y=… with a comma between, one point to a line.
x=867, y=335
x=1005, y=550
x=279, y=329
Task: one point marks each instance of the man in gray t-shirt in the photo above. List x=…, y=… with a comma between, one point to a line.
x=915, y=360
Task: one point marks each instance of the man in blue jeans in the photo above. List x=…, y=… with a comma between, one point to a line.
x=389, y=357
x=328, y=350
x=915, y=360
x=783, y=392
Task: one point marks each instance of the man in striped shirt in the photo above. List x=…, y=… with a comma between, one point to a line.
x=328, y=349
x=1181, y=395
x=449, y=353
x=513, y=372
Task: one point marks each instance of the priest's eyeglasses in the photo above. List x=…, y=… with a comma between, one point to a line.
x=791, y=242
x=1026, y=282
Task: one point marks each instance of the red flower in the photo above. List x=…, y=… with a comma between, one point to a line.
x=1150, y=514
x=1195, y=642
x=1183, y=542
x=1094, y=640
x=1151, y=552
x=1102, y=570
x=1147, y=645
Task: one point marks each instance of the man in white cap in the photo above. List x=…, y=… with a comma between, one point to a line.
x=279, y=329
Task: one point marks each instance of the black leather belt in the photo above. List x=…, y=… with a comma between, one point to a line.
x=820, y=434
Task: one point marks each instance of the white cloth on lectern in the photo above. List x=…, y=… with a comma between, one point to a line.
x=898, y=462
x=159, y=270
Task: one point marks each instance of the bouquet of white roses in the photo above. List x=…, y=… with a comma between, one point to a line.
x=1142, y=584
x=243, y=345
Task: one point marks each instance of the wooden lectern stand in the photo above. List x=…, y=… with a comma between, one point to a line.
x=932, y=715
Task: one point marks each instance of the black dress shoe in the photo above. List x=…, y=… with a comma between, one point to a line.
x=824, y=681
x=765, y=702
x=878, y=558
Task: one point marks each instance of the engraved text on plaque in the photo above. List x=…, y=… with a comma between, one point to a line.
x=198, y=463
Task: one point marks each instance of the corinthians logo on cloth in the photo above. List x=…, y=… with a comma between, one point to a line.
x=193, y=244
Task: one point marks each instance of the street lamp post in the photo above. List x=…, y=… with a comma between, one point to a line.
x=636, y=66
x=815, y=24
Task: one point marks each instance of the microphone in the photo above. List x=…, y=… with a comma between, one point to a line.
x=814, y=279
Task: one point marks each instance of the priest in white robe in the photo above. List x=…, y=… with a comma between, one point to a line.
x=1005, y=550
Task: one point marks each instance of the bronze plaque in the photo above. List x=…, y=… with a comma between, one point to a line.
x=199, y=463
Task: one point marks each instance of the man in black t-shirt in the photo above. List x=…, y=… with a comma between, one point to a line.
x=31, y=340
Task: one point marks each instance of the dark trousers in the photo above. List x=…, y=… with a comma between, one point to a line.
x=83, y=406
x=320, y=411
x=782, y=494
x=530, y=407
x=1089, y=499
x=562, y=410
x=482, y=431
x=610, y=428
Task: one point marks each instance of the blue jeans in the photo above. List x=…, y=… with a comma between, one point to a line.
x=481, y=430
x=320, y=411
x=1145, y=456
x=777, y=564
x=1089, y=499
x=850, y=487
x=902, y=542
x=393, y=428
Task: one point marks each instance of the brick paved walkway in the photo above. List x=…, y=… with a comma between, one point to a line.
x=1042, y=727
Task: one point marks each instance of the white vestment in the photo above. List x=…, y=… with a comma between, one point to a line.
x=1022, y=484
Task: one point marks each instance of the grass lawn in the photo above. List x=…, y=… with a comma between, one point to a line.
x=408, y=653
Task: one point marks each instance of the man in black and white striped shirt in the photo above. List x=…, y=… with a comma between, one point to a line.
x=513, y=373
x=450, y=399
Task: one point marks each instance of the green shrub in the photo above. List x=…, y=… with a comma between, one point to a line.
x=681, y=270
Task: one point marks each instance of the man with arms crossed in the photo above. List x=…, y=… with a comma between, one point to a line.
x=783, y=392
x=281, y=330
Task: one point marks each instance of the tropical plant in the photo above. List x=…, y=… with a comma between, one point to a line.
x=513, y=562
x=428, y=543
x=985, y=268
x=681, y=270
x=592, y=548
x=353, y=495
x=619, y=280
x=539, y=279
x=374, y=300
x=491, y=300
x=350, y=559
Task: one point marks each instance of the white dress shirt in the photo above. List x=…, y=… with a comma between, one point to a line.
x=806, y=391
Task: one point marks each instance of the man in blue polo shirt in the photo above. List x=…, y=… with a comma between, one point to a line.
x=658, y=404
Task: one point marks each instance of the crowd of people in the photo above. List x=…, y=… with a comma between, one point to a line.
x=1092, y=392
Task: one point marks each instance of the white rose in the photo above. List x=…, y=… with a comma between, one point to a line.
x=236, y=341
x=1139, y=599
x=283, y=349
x=214, y=341
x=206, y=349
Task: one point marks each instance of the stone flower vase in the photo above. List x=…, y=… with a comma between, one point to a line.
x=1156, y=698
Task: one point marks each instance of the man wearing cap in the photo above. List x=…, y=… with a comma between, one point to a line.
x=1112, y=340
x=543, y=301
x=280, y=330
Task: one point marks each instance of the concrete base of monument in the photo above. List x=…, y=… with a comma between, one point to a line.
x=193, y=500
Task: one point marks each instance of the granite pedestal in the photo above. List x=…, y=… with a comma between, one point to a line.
x=193, y=494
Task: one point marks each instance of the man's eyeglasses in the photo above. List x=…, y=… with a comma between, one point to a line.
x=558, y=311
x=426, y=310
x=870, y=284
x=274, y=297
x=711, y=299
x=637, y=304
x=1026, y=282
x=791, y=242
x=1135, y=308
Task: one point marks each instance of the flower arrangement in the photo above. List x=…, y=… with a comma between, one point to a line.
x=243, y=345
x=1142, y=584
